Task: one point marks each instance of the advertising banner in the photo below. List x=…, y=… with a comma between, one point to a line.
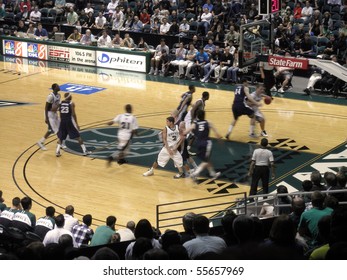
x=36, y=50
x=58, y=53
x=122, y=61
x=291, y=62
x=14, y=48
x=80, y=56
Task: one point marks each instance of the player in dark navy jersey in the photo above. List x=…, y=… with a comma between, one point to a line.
x=186, y=100
x=201, y=129
x=242, y=104
x=68, y=124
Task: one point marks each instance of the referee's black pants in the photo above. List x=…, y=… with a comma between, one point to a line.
x=260, y=173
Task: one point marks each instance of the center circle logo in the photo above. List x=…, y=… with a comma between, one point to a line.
x=104, y=58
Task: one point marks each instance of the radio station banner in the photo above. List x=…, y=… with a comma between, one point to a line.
x=122, y=61
x=80, y=56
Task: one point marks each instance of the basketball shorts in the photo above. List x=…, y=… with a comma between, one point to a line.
x=68, y=128
x=164, y=157
x=239, y=110
x=123, y=144
x=204, y=151
x=53, y=122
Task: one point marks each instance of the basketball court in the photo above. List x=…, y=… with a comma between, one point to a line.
x=302, y=131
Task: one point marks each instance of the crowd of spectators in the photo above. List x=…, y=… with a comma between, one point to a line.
x=310, y=226
x=301, y=29
x=219, y=20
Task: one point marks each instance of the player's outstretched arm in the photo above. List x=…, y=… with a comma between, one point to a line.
x=215, y=130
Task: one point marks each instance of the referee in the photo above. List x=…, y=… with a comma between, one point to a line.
x=262, y=161
x=267, y=74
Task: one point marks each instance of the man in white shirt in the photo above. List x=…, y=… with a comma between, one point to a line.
x=306, y=12
x=100, y=21
x=184, y=28
x=35, y=15
x=111, y=7
x=53, y=235
x=105, y=40
x=118, y=19
x=155, y=60
x=204, y=24
x=89, y=8
x=70, y=221
x=127, y=234
x=164, y=27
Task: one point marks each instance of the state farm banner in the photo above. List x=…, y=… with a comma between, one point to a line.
x=291, y=62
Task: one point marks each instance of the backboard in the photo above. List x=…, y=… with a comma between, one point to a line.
x=255, y=40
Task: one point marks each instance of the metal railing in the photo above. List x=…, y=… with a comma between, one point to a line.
x=255, y=203
x=169, y=215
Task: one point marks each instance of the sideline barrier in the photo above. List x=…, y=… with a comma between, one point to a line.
x=121, y=59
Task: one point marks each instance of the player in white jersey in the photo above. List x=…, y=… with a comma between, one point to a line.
x=127, y=128
x=51, y=115
x=172, y=140
x=257, y=95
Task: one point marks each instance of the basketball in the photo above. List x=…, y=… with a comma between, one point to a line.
x=267, y=99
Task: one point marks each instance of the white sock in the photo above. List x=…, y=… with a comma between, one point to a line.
x=252, y=128
x=211, y=171
x=84, y=149
x=197, y=171
x=42, y=140
x=57, y=151
x=230, y=129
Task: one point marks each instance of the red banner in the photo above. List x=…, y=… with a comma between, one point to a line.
x=291, y=62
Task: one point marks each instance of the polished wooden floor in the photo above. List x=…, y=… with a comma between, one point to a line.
x=122, y=190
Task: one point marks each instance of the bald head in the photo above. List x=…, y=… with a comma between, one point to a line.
x=131, y=225
x=298, y=205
